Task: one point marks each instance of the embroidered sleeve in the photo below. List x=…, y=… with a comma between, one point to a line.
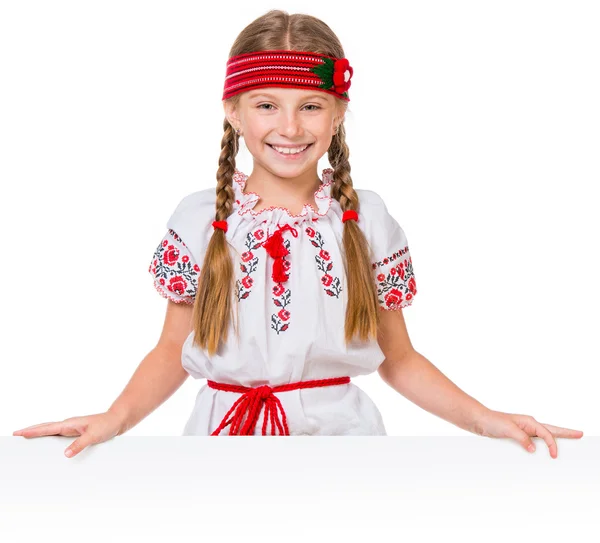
x=393, y=268
x=396, y=285
x=174, y=269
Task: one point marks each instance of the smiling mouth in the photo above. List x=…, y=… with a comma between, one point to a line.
x=290, y=154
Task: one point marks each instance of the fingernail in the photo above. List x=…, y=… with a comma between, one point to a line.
x=531, y=448
x=69, y=453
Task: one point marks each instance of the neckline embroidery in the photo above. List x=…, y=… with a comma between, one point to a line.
x=246, y=201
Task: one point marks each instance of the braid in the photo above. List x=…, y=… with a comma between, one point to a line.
x=225, y=171
x=212, y=307
x=361, y=314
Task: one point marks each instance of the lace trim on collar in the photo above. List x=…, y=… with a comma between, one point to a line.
x=247, y=200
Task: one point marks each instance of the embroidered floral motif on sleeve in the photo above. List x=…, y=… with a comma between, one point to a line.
x=174, y=269
x=396, y=284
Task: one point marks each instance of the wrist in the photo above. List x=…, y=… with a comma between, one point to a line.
x=478, y=421
x=121, y=415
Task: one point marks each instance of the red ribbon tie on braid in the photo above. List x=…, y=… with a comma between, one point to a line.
x=220, y=224
x=275, y=248
x=350, y=214
x=252, y=400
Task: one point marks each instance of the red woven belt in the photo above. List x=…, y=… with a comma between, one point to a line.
x=253, y=399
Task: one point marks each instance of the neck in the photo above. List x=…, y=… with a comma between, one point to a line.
x=290, y=192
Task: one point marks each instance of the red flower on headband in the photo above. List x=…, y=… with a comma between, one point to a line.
x=335, y=75
x=342, y=72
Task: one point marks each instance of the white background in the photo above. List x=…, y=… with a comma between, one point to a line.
x=476, y=121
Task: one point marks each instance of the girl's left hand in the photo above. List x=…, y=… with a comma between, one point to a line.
x=521, y=428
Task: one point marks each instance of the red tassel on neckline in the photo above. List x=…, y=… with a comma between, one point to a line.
x=275, y=248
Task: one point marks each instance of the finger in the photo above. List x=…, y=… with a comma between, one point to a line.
x=32, y=426
x=49, y=429
x=78, y=445
x=31, y=431
x=547, y=436
x=522, y=437
x=557, y=431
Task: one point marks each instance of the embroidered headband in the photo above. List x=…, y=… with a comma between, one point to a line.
x=290, y=69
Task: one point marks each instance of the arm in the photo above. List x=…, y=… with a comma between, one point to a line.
x=416, y=378
x=160, y=373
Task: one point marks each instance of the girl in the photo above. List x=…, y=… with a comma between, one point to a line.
x=281, y=285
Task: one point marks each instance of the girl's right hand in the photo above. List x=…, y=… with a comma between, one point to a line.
x=91, y=429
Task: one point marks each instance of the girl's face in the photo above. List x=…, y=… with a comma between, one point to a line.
x=292, y=118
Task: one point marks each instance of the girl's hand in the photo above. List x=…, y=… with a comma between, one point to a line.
x=520, y=428
x=91, y=429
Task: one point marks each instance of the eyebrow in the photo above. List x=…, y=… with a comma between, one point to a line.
x=266, y=95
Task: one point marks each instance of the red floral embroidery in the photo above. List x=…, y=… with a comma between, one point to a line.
x=396, y=287
x=283, y=296
x=332, y=283
x=249, y=263
x=174, y=270
x=392, y=258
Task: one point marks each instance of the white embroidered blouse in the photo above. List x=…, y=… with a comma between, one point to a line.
x=291, y=330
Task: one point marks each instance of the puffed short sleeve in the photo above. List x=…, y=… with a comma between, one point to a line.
x=391, y=261
x=177, y=261
x=174, y=269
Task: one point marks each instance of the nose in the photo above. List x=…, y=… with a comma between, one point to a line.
x=290, y=126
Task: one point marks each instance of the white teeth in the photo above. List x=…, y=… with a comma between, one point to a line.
x=289, y=151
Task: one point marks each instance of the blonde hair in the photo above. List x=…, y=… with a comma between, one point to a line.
x=213, y=308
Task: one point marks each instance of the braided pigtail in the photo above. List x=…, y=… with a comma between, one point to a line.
x=362, y=314
x=213, y=307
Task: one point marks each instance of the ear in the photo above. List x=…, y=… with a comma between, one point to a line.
x=338, y=120
x=231, y=114
x=341, y=114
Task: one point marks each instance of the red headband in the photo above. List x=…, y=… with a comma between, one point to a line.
x=290, y=69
